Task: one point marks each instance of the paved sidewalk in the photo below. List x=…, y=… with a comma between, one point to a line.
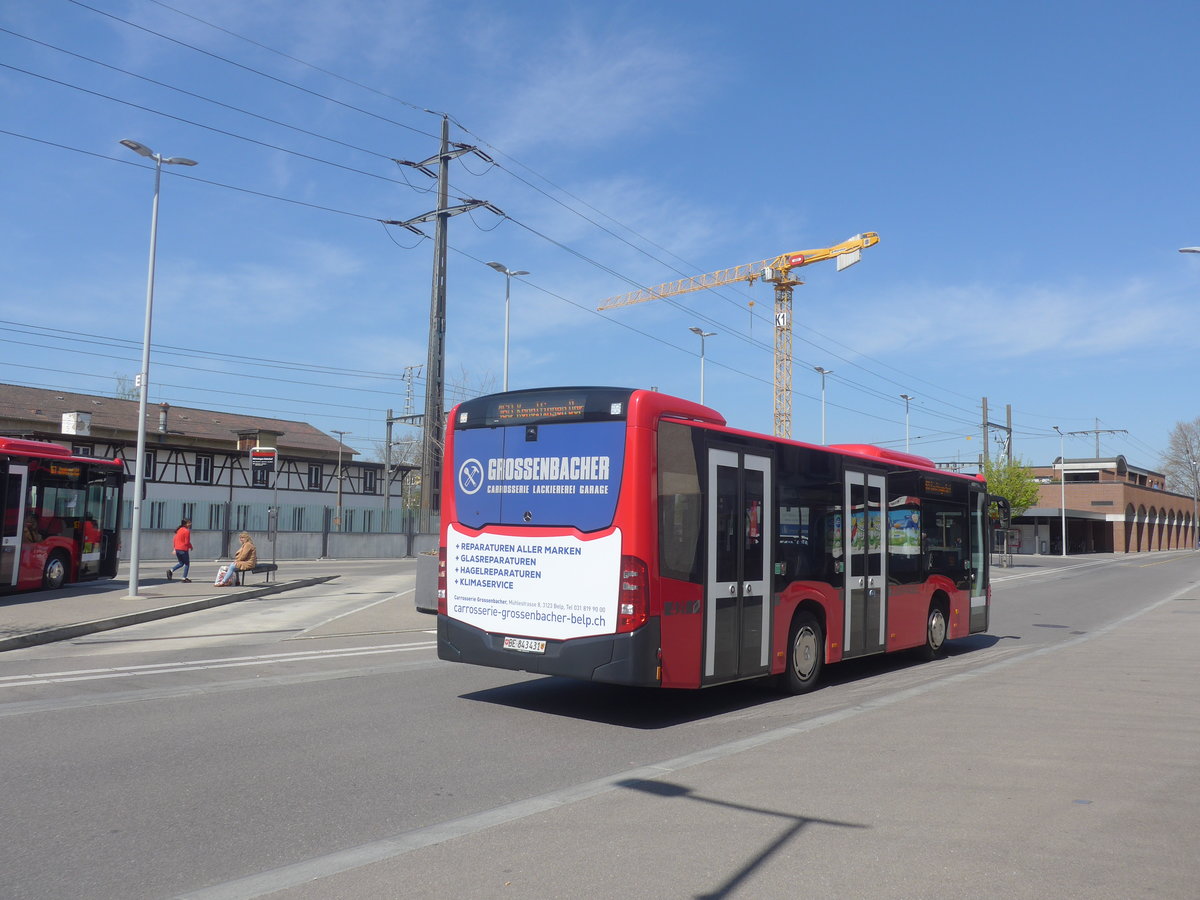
x=42, y=617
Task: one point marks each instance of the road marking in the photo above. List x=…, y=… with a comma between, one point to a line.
x=318, y=867
x=1054, y=570
x=201, y=665
x=358, y=609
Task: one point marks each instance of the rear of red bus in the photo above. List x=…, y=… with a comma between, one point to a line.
x=547, y=535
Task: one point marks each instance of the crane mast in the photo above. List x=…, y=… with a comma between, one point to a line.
x=778, y=272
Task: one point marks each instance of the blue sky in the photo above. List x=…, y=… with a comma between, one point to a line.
x=1029, y=167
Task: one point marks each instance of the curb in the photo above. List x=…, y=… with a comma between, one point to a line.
x=66, y=632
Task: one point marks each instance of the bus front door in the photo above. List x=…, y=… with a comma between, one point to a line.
x=865, y=584
x=12, y=520
x=737, y=609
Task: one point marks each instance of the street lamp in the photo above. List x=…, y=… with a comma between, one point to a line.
x=139, y=483
x=822, y=372
x=703, y=334
x=337, y=519
x=1062, y=481
x=1189, y=249
x=508, y=277
x=1195, y=484
x=906, y=398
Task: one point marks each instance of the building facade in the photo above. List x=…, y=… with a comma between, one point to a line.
x=1110, y=507
x=198, y=466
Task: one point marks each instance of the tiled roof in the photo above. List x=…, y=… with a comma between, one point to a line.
x=42, y=410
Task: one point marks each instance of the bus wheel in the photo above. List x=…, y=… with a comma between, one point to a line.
x=935, y=632
x=805, y=656
x=55, y=572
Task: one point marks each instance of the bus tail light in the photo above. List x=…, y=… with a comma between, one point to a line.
x=441, y=583
x=632, y=601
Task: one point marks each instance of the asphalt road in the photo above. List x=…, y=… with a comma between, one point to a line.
x=311, y=745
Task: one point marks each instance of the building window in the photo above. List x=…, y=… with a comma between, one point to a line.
x=150, y=467
x=82, y=450
x=204, y=469
x=369, y=478
x=315, y=476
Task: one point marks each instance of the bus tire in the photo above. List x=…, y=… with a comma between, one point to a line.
x=805, y=654
x=935, y=631
x=55, y=573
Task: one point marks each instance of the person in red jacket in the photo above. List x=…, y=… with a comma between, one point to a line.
x=183, y=546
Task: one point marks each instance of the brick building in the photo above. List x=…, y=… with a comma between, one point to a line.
x=1111, y=507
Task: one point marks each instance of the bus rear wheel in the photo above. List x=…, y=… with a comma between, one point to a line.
x=55, y=572
x=935, y=632
x=805, y=655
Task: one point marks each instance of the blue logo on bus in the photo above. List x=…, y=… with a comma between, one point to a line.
x=470, y=476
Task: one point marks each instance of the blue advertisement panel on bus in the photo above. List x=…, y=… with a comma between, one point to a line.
x=534, y=551
x=539, y=475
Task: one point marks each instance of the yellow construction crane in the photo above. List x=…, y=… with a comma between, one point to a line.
x=778, y=272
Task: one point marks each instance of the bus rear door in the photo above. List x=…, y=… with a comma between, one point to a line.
x=865, y=585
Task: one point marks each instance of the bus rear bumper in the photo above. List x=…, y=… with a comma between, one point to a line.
x=613, y=658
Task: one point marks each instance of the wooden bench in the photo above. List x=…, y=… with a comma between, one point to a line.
x=261, y=569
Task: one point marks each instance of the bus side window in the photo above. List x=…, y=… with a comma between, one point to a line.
x=680, y=508
x=904, y=529
x=808, y=544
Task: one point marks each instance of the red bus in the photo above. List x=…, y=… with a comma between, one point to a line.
x=631, y=537
x=58, y=515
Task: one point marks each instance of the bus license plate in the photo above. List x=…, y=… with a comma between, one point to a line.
x=524, y=645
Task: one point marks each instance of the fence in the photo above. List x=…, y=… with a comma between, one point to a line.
x=255, y=517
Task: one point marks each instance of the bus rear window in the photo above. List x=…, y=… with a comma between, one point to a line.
x=561, y=475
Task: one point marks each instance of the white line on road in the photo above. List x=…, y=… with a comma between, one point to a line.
x=203, y=664
x=310, y=870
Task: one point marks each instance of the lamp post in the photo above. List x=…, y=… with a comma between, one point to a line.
x=1189, y=249
x=337, y=519
x=1062, y=481
x=1195, y=479
x=822, y=372
x=703, y=334
x=508, y=277
x=906, y=398
x=139, y=483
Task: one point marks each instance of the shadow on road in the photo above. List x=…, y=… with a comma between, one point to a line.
x=653, y=708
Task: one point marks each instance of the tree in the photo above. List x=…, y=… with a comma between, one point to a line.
x=127, y=388
x=406, y=450
x=1182, y=457
x=1012, y=481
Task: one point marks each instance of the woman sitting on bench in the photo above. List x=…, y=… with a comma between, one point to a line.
x=243, y=561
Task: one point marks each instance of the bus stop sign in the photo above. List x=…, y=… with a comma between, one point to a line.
x=262, y=459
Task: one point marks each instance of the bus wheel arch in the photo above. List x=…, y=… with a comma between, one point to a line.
x=937, y=625
x=54, y=573
x=805, y=651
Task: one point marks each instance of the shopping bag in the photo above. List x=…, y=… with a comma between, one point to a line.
x=221, y=573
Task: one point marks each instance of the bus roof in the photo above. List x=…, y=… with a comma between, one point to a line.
x=47, y=450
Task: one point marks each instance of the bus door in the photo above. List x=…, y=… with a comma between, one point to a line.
x=737, y=608
x=12, y=520
x=979, y=557
x=865, y=585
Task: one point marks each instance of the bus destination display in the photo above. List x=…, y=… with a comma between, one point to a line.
x=520, y=410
